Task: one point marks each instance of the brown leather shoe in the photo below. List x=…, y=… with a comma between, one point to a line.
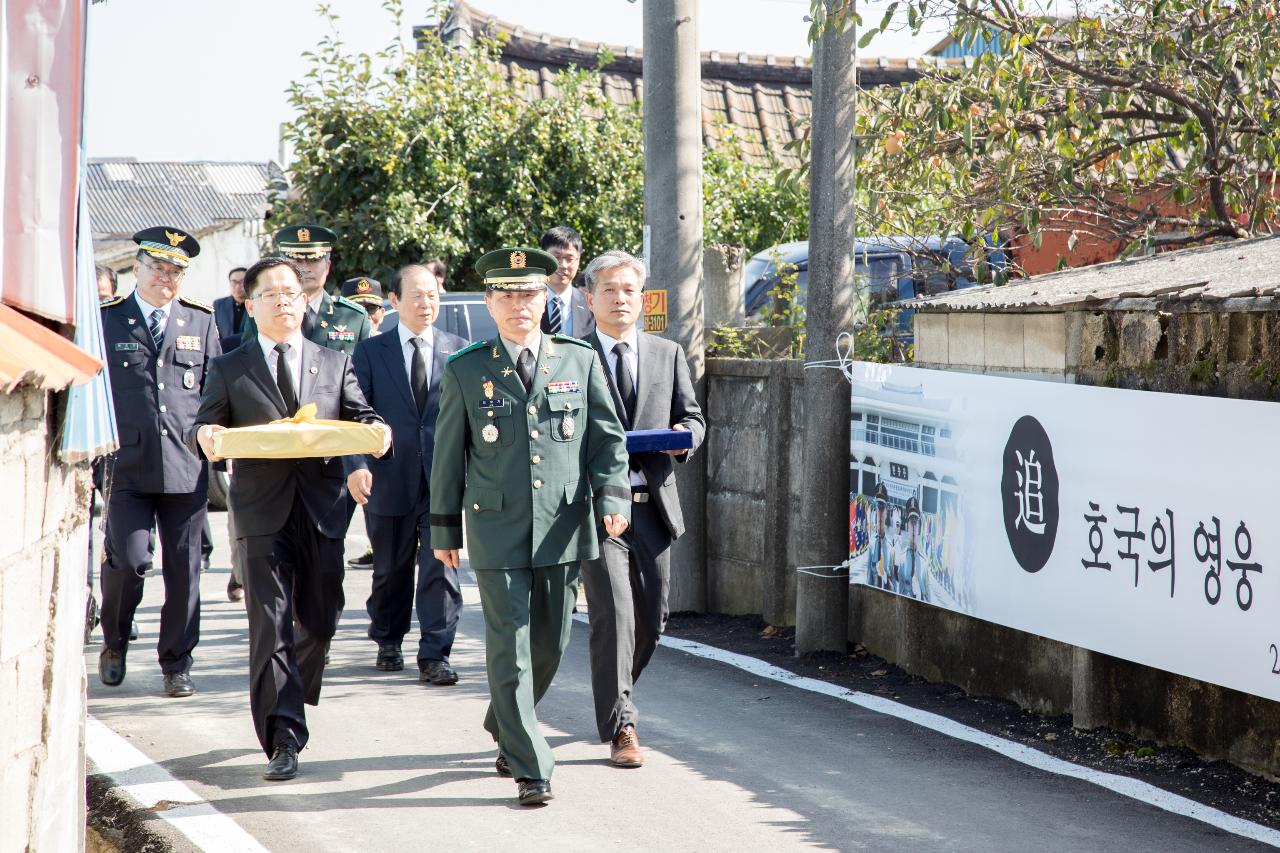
x=625, y=749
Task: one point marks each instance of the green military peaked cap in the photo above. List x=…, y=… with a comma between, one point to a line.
x=305, y=241
x=518, y=268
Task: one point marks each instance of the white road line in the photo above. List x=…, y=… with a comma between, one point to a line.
x=1125, y=786
x=151, y=785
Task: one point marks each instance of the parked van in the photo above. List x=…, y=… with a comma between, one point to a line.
x=886, y=270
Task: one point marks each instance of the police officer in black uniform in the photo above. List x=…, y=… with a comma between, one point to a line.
x=159, y=345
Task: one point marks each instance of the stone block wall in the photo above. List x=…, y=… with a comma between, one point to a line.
x=43, y=558
x=754, y=423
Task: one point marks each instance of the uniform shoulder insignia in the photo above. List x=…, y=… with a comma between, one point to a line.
x=566, y=339
x=347, y=302
x=192, y=303
x=111, y=303
x=476, y=346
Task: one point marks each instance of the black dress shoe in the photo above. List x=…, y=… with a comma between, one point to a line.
x=283, y=764
x=204, y=564
x=364, y=561
x=178, y=684
x=133, y=631
x=389, y=658
x=535, y=791
x=235, y=591
x=436, y=672
x=501, y=765
x=111, y=667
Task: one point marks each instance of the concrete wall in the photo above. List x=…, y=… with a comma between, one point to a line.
x=43, y=557
x=753, y=447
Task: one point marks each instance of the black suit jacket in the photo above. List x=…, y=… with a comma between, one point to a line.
x=400, y=483
x=239, y=391
x=584, y=322
x=224, y=314
x=664, y=397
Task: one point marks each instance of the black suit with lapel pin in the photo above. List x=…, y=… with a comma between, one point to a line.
x=290, y=515
x=398, y=508
x=627, y=584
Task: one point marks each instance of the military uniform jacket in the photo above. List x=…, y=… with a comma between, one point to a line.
x=340, y=325
x=157, y=394
x=533, y=472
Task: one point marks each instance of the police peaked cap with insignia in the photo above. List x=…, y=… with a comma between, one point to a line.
x=305, y=242
x=882, y=494
x=171, y=245
x=362, y=290
x=516, y=269
x=913, y=507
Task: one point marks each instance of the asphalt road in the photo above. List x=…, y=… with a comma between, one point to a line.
x=734, y=761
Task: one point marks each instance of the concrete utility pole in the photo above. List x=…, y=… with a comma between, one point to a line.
x=673, y=242
x=822, y=594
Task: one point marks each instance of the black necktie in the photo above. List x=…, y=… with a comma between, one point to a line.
x=524, y=368
x=284, y=380
x=554, y=320
x=308, y=323
x=418, y=374
x=626, y=385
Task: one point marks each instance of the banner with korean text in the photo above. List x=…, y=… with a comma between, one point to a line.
x=1136, y=524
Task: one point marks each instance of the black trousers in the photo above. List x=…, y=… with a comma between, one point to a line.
x=179, y=519
x=400, y=541
x=626, y=588
x=293, y=597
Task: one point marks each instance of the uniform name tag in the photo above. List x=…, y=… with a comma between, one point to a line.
x=499, y=403
x=128, y=347
x=567, y=387
x=187, y=342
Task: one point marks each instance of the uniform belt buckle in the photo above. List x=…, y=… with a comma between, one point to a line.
x=640, y=497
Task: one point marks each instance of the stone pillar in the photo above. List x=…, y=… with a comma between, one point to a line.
x=822, y=613
x=673, y=242
x=723, y=269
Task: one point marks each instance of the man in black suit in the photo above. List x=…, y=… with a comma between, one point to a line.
x=229, y=311
x=567, y=312
x=627, y=585
x=160, y=345
x=399, y=373
x=290, y=514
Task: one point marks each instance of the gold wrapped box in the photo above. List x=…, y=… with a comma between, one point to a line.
x=300, y=437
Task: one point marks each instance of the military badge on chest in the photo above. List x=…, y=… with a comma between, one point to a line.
x=341, y=334
x=490, y=404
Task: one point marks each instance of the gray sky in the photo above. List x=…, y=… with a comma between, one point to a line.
x=223, y=66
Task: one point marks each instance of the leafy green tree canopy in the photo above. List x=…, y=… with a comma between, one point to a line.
x=1145, y=122
x=413, y=153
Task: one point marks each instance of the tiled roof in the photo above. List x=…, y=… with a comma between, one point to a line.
x=1239, y=269
x=766, y=99
x=126, y=195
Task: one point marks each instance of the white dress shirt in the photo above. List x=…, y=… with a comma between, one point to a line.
x=293, y=358
x=633, y=365
x=406, y=349
x=566, y=308
x=148, y=309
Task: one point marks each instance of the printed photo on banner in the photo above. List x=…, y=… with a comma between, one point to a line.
x=906, y=531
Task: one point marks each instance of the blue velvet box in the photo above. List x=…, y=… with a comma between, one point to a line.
x=653, y=440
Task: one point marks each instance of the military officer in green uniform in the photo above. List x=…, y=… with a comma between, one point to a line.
x=333, y=322
x=530, y=448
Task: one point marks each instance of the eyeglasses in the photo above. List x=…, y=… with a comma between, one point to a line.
x=275, y=296
x=164, y=271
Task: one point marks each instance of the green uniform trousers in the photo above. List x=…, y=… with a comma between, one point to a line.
x=527, y=617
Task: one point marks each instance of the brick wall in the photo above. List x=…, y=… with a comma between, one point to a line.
x=43, y=548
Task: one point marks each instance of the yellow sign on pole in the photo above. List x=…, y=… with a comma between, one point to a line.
x=655, y=310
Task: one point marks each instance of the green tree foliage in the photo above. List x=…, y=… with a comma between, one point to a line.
x=413, y=153
x=1145, y=122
